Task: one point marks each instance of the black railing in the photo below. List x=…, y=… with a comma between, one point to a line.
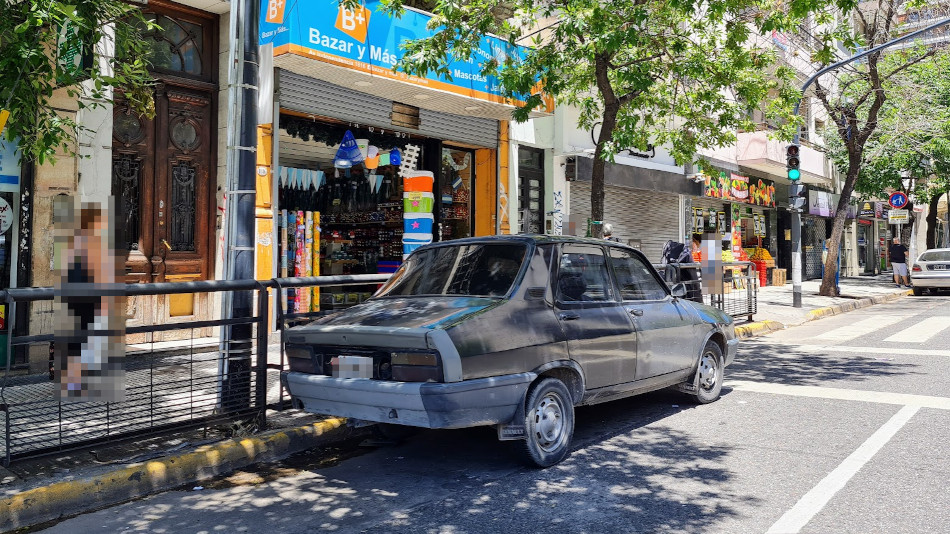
x=191, y=386
x=738, y=296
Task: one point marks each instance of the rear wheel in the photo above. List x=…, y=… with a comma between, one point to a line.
x=709, y=374
x=549, y=423
x=918, y=291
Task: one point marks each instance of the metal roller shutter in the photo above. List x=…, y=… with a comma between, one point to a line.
x=647, y=216
x=317, y=97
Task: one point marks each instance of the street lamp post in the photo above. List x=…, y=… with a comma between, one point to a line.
x=796, y=216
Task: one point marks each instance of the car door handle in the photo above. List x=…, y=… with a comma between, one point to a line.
x=636, y=311
x=569, y=316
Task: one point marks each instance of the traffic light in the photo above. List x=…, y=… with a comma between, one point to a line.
x=797, y=194
x=792, y=161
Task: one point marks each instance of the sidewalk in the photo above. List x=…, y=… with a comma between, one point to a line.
x=775, y=310
x=33, y=491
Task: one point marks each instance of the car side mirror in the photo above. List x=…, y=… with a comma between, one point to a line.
x=678, y=290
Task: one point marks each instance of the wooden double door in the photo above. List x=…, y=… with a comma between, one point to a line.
x=162, y=180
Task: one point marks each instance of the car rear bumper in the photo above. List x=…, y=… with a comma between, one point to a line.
x=931, y=281
x=482, y=401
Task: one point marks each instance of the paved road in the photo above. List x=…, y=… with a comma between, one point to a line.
x=841, y=425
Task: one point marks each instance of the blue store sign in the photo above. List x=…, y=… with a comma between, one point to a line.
x=367, y=39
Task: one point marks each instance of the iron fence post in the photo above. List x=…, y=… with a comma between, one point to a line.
x=263, y=356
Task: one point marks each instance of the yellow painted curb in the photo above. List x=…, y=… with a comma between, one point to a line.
x=854, y=305
x=758, y=328
x=70, y=497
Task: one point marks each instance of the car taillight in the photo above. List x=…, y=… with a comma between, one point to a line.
x=301, y=359
x=917, y=269
x=416, y=366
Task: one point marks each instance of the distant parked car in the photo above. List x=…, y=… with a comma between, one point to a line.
x=511, y=331
x=931, y=271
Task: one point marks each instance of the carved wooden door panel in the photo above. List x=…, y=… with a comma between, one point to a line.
x=163, y=171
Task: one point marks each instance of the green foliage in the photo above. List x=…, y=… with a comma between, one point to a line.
x=912, y=137
x=30, y=32
x=683, y=73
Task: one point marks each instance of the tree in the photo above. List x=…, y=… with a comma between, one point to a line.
x=685, y=74
x=36, y=37
x=912, y=140
x=856, y=104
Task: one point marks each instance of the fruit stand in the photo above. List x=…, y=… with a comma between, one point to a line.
x=763, y=261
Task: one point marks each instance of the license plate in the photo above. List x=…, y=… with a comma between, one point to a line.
x=940, y=267
x=352, y=367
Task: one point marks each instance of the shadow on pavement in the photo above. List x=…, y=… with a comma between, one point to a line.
x=626, y=474
x=784, y=364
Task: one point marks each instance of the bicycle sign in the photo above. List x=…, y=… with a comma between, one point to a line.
x=898, y=200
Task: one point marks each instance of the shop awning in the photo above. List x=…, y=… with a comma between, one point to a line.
x=358, y=49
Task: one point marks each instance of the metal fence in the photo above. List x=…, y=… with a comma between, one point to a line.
x=740, y=282
x=193, y=385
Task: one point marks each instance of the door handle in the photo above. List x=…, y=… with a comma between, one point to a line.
x=569, y=316
x=636, y=311
x=169, y=247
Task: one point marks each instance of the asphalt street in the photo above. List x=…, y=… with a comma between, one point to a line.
x=839, y=425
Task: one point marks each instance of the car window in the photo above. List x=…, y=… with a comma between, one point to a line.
x=479, y=270
x=935, y=255
x=582, y=275
x=635, y=277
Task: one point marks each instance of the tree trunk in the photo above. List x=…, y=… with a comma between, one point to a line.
x=597, y=175
x=828, y=286
x=932, y=222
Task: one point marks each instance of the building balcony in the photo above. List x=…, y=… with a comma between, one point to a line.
x=755, y=150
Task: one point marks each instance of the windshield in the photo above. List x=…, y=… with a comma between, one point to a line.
x=478, y=270
x=935, y=255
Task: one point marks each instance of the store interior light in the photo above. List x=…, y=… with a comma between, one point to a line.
x=422, y=97
x=363, y=84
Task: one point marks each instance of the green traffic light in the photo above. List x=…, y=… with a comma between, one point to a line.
x=794, y=174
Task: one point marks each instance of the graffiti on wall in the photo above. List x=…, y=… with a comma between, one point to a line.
x=557, y=215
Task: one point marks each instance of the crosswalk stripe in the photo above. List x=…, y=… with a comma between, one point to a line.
x=860, y=328
x=827, y=349
x=922, y=331
x=879, y=397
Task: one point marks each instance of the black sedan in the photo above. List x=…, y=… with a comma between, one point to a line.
x=510, y=331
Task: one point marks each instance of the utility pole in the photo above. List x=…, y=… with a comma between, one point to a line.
x=796, y=218
x=235, y=366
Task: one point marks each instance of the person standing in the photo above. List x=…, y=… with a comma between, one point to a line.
x=898, y=255
x=609, y=233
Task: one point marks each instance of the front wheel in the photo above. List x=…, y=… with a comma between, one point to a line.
x=549, y=423
x=709, y=374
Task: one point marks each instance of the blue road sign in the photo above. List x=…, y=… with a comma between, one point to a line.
x=898, y=200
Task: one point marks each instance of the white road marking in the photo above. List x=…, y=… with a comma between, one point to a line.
x=825, y=349
x=922, y=331
x=880, y=397
x=859, y=328
x=812, y=502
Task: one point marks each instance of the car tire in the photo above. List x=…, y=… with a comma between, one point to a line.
x=918, y=291
x=709, y=374
x=549, y=423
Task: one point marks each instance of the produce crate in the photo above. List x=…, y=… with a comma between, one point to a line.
x=778, y=277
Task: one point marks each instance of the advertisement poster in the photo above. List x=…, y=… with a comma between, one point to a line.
x=738, y=188
x=698, y=223
x=721, y=217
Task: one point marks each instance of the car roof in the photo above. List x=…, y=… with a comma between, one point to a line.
x=539, y=239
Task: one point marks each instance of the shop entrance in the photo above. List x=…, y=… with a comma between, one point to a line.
x=162, y=172
x=531, y=197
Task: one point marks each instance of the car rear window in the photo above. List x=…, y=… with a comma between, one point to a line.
x=478, y=270
x=935, y=255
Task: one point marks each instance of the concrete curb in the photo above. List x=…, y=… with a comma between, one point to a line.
x=853, y=305
x=67, y=498
x=759, y=328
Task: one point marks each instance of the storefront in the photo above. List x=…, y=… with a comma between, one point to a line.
x=871, y=238
x=743, y=210
x=369, y=164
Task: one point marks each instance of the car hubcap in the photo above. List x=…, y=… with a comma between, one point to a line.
x=708, y=371
x=549, y=422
